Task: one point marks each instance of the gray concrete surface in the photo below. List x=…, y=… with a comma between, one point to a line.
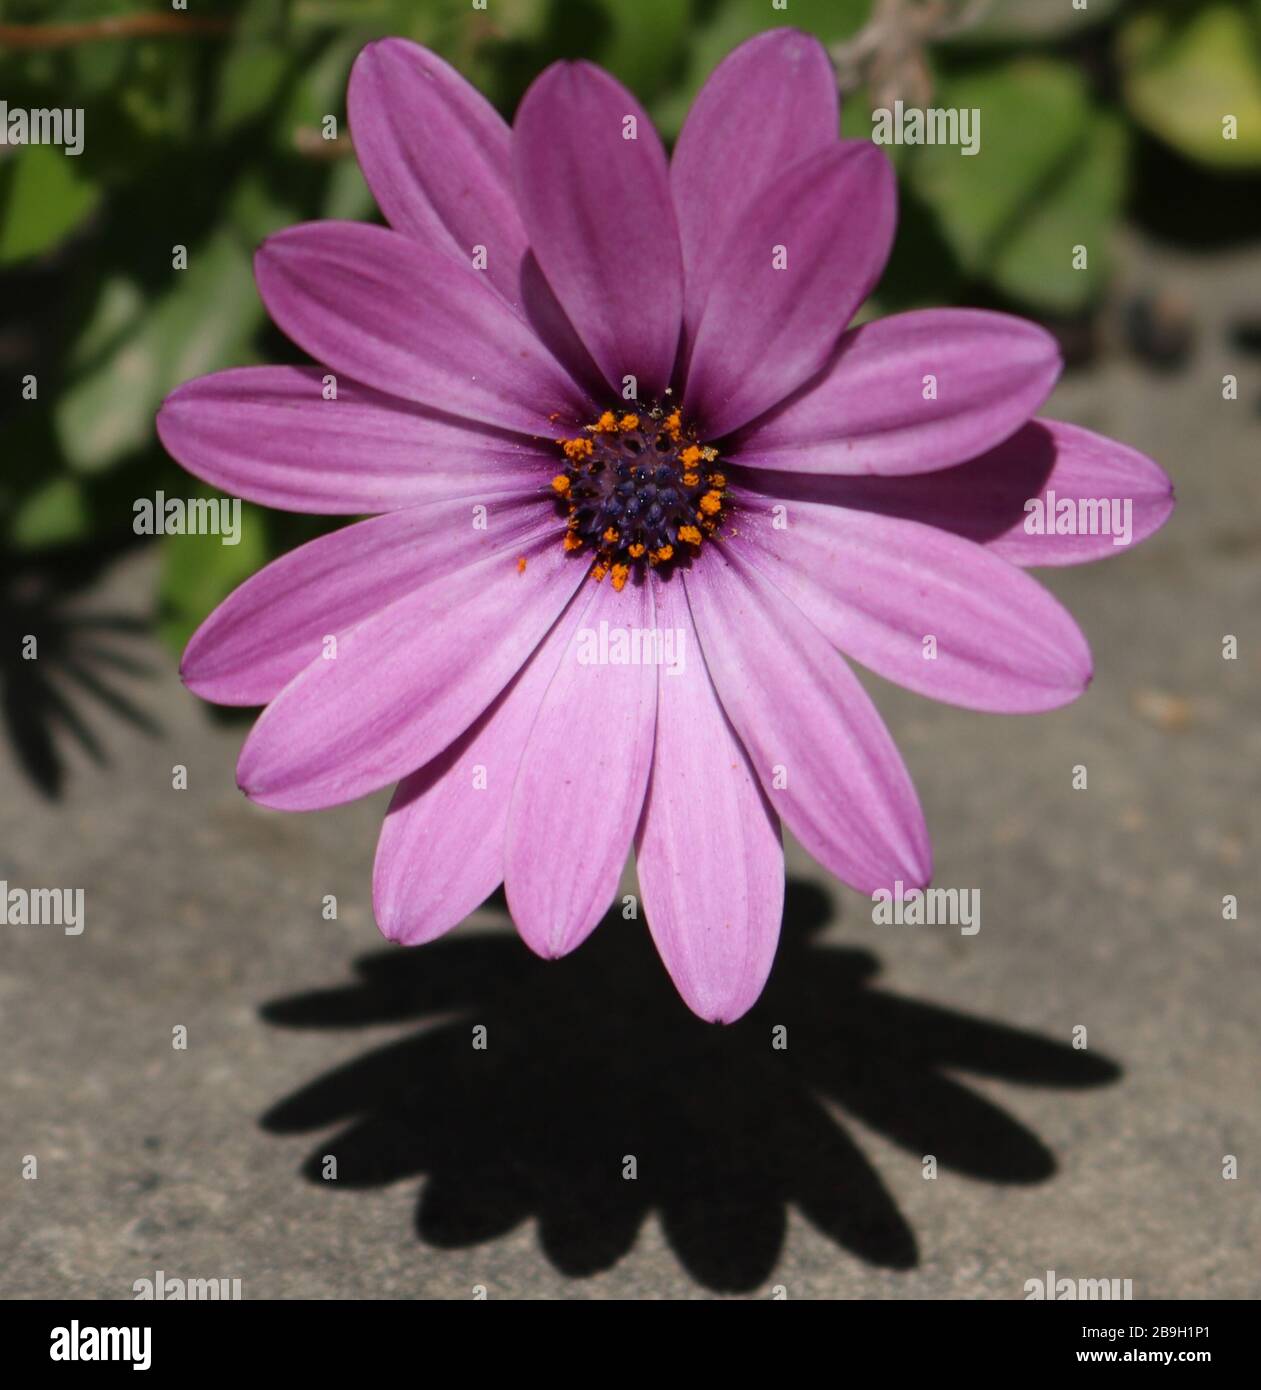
x=757, y=1168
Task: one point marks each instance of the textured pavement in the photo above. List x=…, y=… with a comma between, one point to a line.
x=503, y=1168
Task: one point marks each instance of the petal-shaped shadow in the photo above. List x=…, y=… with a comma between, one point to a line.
x=592, y=1060
x=77, y=661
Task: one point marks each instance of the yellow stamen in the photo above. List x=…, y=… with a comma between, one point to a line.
x=665, y=553
x=690, y=456
x=572, y=542
x=690, y=534
x=621, y=573
x=576, y=449
x=606, y=424
x=635, y=551
x=560, y=484
x=520, y=564
x=629, y=422
x=717, y=480
x=673, y=424
x=611, y=535
x=691, y=479
x=711, y=503
x=599, y=571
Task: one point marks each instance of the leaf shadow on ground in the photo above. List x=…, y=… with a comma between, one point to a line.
x=83, y=663
x=594, y=1058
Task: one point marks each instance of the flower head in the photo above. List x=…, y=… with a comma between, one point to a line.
x=638, y=490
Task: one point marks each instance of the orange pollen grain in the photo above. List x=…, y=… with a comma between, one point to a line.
x=576, y=449
x=621, y=573
x=611, y=535
x=690, y=456
x=560, y=484
x=711, y=503
x=690, y=534
x=664, y=553
x=635, y=551
x=629, y=422
x=572, y=542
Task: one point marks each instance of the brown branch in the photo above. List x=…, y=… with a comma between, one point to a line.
x=131, y=26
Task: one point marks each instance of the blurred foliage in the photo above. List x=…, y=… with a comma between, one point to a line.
x=203, y=132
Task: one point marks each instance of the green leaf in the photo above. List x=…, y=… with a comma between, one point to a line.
x=1033, y=116
x=43, y=197
x=132, y=353
x=1037, y=262
x=1183, y=74
x=1047, y=177
x=55, y=513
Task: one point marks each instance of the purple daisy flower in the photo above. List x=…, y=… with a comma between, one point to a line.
x=639, y=489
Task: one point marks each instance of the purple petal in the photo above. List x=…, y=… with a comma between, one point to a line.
x=580, y=787
x=407, y=319
x=708, y=850
x=276, y=624
x=765, y=330
x=407, y=681
x=984, y=373
x=441, y=851
x=768, y=104
x=597, y=209
x=991, y=499
x=822, y=753
x=437, y=156
x=268, y=434
x=921, y=607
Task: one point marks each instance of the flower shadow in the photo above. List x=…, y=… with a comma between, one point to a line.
x=593, y=1059
x=80, y=660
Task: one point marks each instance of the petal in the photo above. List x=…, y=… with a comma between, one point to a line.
x=787, y=280
x=437, y=156
x=868, y=413
x=769, y=103
x=407, y=681
x=407, y=319
x=277, y=623
x=441, y=851
x=580, y=787
x=880, y=587
x=822, y=753
x=268, y=434
x=708, y=849
x=597, y=209
x=1118, y=496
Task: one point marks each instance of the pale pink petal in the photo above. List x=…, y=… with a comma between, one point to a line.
x=708, y=850
x=272, y=436
x=920, y=606
x=580, y=787
x=820, y=750
x=407, y=681
x=281, y=619
x=594, y=192
x=441, y=851
x=908, y=394
x=408, y=319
